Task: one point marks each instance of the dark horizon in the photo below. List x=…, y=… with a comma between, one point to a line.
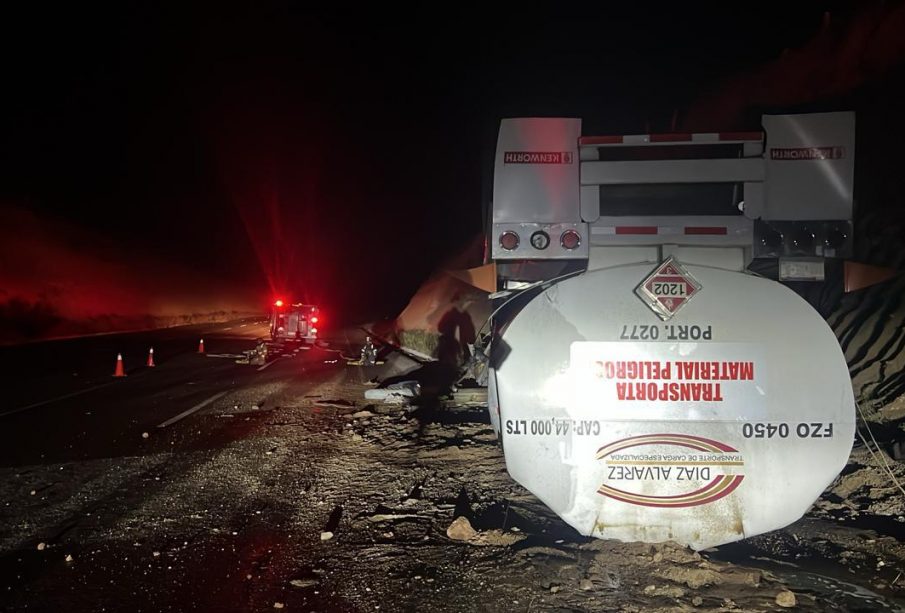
x=167, y=160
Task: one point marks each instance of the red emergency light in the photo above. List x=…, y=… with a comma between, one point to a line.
x=278, y=303
x=314, y=319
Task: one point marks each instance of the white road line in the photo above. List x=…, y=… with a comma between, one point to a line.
x=243, y=325
x=266, y=365
x=43, y=402
x=197, y=407
x=229, y=328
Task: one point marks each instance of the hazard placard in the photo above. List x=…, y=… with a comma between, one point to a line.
x=668, y=288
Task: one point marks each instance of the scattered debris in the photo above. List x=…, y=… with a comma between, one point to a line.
x=786, y=599
x=69, y=558
x=496, y=538
x=476, y=365
x=381, y=517
x=278, y=605
x=475, y=396
x=402, y=493
x=461, y=530
x=695, y=578
x=256, y=356
x=395, y=393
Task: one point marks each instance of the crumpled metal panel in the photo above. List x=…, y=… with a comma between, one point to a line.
x=725, y=421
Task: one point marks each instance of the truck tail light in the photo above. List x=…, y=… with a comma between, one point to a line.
x=509, y=240
x=314, y=319
x=570, y=240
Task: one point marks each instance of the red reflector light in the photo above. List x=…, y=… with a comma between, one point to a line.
x=570, y=240
x=600, y=140
x=278, y=303
x=754, y=136
x=705, y=230
x=509, y=240
x=636, y=229
x=670, y=138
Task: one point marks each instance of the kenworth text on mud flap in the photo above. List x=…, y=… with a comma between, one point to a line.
x=645, y=382
x=294, y=322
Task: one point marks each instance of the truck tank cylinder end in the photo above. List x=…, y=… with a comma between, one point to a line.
x=694, y=428
x=689, y=401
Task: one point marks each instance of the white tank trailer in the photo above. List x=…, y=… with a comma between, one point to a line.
x=647, y=385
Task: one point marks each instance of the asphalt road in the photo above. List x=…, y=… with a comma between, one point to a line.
x=61, y=403
x=203, y=484
x=81, y=449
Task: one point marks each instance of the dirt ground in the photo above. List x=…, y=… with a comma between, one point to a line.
x=310, y=498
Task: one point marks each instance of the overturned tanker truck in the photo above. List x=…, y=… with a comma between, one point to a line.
x=645, y=382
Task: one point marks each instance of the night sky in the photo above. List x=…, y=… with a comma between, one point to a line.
x=214, y=155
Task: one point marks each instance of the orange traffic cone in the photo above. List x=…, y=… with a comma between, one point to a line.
x=151, y=358
x=201, y=346
x=120, y=371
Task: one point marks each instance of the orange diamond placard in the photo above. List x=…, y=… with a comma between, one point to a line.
x=668, y=288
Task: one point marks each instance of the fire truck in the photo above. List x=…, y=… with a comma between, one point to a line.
x=652, y=376
x=293, y=322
